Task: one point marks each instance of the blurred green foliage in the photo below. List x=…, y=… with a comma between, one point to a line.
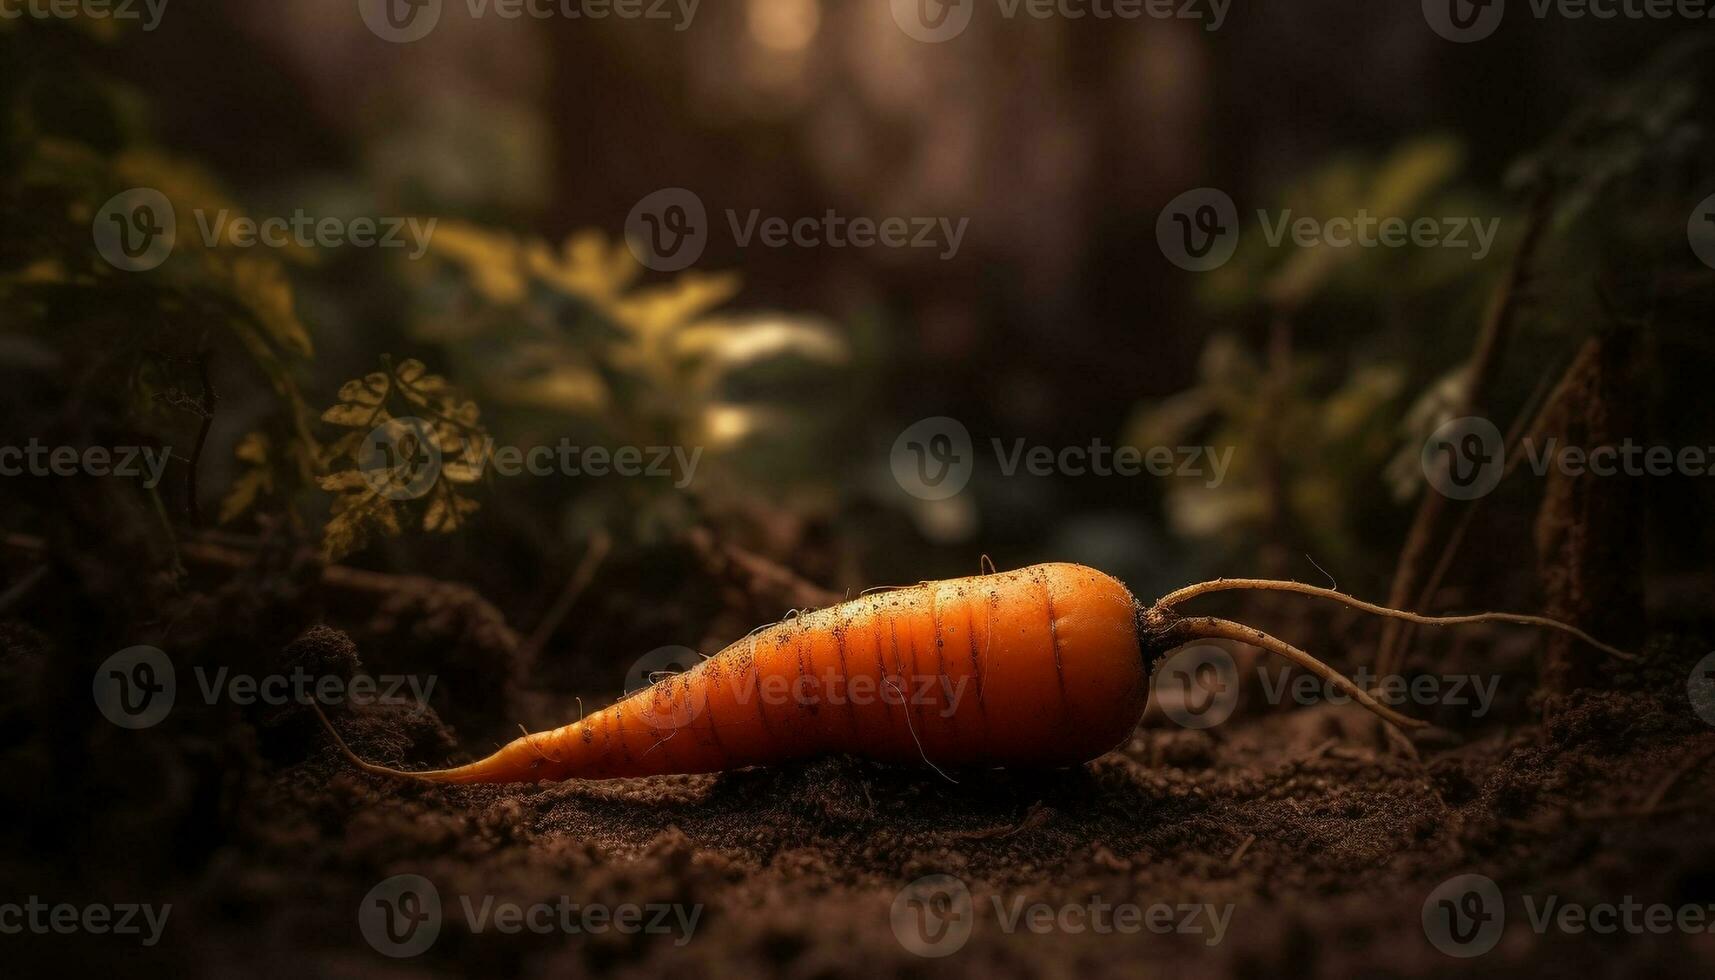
x=1315, y=414
x=567, y=343
x=1328, y=366
x=572, y=343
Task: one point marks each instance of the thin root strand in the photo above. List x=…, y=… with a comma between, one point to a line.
x=1273, y=585
x=1209, y=628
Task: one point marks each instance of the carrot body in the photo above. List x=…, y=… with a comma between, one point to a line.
x=1045, y=666
x=1037, y=667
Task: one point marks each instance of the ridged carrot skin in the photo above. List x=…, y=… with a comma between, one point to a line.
x=1045, y=666
x=1037, y=667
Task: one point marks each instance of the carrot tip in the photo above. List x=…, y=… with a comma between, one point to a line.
x=354, y=759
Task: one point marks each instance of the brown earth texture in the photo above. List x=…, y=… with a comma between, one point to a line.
x=1291, y=840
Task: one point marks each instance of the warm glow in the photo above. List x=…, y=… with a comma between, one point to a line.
x=785, y=25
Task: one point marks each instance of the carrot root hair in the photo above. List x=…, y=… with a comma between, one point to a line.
x=427, y=776
x=1210, y=628
x=1206, y=627
x=1274, y=585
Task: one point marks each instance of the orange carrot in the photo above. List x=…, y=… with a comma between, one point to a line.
x=1045, y=666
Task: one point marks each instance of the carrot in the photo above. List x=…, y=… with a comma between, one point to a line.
x=1044, y=666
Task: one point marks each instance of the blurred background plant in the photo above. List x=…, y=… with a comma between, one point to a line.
x=568, y=344
x=1347, y=339
x=792, y=370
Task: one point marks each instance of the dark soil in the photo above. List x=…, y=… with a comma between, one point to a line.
x=1323, y=833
